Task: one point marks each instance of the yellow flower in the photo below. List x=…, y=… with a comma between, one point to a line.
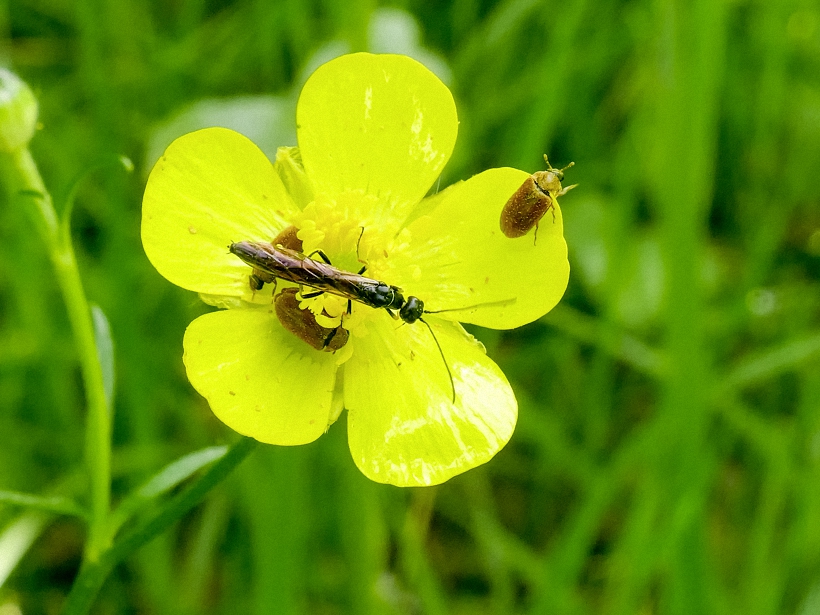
x=374, y=133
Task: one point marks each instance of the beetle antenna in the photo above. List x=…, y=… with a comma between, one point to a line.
x=441, y=352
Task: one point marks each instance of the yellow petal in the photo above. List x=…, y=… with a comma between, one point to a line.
x=383, y=124
x=403, y=427
x=259, y=379
x=459, y=258
x=210, y=188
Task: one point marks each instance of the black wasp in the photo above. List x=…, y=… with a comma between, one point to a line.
x=293, y=266
x=270, y=263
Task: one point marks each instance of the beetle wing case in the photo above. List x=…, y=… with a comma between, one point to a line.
x=524, y=209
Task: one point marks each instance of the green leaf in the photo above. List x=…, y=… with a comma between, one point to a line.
x=161, y=517
x=54, y=504
x=34, y=194
x=16, y=540
x=165, y=480
x=769, y=363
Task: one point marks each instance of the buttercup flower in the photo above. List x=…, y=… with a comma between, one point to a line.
x=374, y=133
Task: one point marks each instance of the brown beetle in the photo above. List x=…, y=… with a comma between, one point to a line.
x=536, y=196
x=302, y=323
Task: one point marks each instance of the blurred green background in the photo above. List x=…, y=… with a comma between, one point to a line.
x=667, y=457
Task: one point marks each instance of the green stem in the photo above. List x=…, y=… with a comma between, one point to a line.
x=23, y=178
x=93, y=574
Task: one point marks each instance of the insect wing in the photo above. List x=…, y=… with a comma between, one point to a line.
x=295, y=267
x=283, y=263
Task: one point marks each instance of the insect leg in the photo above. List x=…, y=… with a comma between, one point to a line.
x=259, y=278
x=330, y=337
x=322, y=255
x=312, y=294
x=333, y=333
x=255, y=282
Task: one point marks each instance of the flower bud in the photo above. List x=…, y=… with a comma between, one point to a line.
x=18, y=112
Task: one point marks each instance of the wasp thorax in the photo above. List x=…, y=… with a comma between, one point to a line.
x=396, y=298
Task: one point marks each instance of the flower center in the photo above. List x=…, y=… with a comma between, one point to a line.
x=346, y=231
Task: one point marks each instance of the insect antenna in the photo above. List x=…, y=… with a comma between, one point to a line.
x=500, y=303
x=554, y=170
x=443, y=358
